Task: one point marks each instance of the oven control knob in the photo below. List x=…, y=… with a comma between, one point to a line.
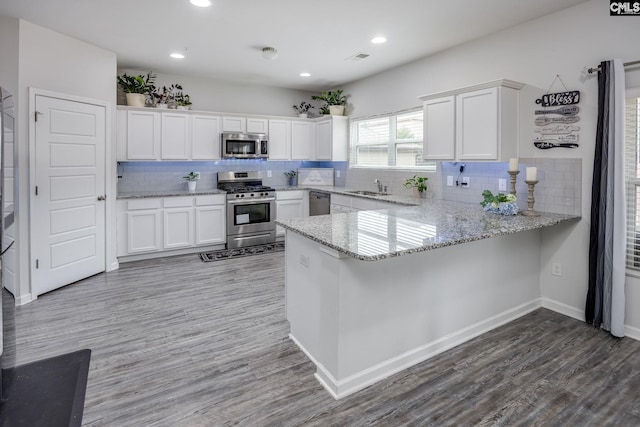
x=242, y=195
x=252, y=195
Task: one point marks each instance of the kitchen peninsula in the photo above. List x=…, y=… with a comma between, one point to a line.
x=370, y=293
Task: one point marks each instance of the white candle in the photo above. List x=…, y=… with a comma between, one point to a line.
x=532, y=174
x=513, y=164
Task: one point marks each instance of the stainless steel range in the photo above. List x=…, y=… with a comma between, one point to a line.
x=251, y=209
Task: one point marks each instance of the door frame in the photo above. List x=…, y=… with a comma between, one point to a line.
x=111, y=262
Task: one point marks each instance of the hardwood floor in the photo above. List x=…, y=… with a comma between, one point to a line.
x=178, y=342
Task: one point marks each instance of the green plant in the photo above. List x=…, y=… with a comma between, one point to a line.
x=193, y=176
x=331, y=97
x=291, y=174
x=419, y=182
x=182, y=100
x=490, y=199
x=304, y=107
x=137, y=84
x=166, y=94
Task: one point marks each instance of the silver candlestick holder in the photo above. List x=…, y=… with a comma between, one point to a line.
x=514, y=177
x=530, y=200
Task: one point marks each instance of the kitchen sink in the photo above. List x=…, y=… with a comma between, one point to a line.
x=367, y=193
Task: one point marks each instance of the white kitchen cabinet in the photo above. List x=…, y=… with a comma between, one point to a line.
x=234, y=124
x=290, y=204
x=302, y=140
x=210, y=213
x=205, y=137
x=257, y=125
x=279, y=145
x=144, y=229
x=332, y=139
x=143, y=135
x=178, y=222
x=473, y=123
x=175, y=141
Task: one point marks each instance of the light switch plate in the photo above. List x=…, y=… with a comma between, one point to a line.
x=502, y=185
x=269, y=174
x=450, y=181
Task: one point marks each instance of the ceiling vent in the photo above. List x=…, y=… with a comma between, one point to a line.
x=357, y=57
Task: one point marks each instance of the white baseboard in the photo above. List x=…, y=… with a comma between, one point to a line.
x=632, y=332
x=349, y=385
x=114, y=266
x=563, y=308
x=25, y=299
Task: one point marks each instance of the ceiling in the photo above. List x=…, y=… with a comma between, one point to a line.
x=225, y=40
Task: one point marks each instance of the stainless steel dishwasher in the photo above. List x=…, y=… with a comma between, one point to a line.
x=319, y=203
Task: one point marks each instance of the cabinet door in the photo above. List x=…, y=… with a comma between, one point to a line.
x=211, y=225
x=323, y=141
x=121, y=135
x=477, y=125
x=205, y=138
x=178, y=228
x=234, y=124
x=144, y=231
x=175, y=136
x=302, y=141
x=143, y=135
x=439, y=129
x=286, y=209
x=279, y=139
x=257, y=126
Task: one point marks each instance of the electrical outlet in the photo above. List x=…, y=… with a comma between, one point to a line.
x=465, y=182
x=502, y=185
x=269, y=174
x=556, y=269
x=337, y=174
x=450, y=181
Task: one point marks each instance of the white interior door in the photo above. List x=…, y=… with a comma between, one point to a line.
x=68, y=207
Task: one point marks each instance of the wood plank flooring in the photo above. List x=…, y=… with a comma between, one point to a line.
x=178, y=342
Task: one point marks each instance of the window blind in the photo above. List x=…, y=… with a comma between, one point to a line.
x=632, y=180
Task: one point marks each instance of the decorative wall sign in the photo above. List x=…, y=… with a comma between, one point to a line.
x=558, y=99
x=558, y=132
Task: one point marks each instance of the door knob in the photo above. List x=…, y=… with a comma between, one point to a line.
x=100, y=198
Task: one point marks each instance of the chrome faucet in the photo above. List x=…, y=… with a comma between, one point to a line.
x=377, y=181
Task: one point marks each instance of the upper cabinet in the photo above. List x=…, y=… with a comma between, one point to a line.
x=279, y=145
x=143, y=135
x=257, y=125
x=302, y=140
x=332, y=139
x=234, y=124
x=205, y=137
x=474, y=123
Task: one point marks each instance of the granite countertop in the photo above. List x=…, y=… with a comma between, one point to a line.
x=389, y=198
x=385, y=233
x=176, y=193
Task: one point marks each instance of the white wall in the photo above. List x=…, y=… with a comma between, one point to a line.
x=220, y=96
x=9, y=53
x=533, y=53
x=55, y=62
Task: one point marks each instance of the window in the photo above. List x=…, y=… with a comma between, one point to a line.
x=389, y=141
x=632, y=177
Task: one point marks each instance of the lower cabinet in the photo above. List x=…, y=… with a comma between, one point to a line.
x=290, y=204
x=149, y=225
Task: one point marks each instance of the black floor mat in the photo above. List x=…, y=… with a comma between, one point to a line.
x=49, y=392
x=240, y=252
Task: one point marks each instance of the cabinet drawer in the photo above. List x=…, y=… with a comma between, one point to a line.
x=216, y=199
x=144, y=204
x=290, y=195
x=178, y=202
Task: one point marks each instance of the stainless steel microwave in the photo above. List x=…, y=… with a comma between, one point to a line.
x=244, y=145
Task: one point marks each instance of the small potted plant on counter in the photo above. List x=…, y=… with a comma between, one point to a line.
x=418, y=183
x=334, y=102
x=303, y=109
x=292, y=177
x=502, y=204
x=191, y=180
x=137, y=88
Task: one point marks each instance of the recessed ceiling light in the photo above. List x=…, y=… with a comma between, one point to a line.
x=201, y=3
x=177, y=55
x=378, y=40
x=305, y=75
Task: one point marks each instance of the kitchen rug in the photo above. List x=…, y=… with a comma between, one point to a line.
x=240, y=252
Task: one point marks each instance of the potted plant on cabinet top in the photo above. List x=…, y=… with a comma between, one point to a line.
x=191, y=178
x=418, y=183
x=137, y=88
x=183, y=102
x=303, y=109
x=166, y=95
x=334, y=102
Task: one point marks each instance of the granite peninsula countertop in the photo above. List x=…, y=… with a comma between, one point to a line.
x=385, y=233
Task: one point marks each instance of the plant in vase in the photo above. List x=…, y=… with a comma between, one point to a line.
x=191, y=178
x=137, y=88
x=292, y=177
x=418, y=183
x=166, y=95
x=502, y=204
x=334, y=102
x=303, y=109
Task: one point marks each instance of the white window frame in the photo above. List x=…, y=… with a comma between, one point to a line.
x=632, y=184
x=391, y=144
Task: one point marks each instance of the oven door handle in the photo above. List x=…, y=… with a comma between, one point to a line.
x=250, y=201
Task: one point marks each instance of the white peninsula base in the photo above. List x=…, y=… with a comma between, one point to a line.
x=362, y=321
